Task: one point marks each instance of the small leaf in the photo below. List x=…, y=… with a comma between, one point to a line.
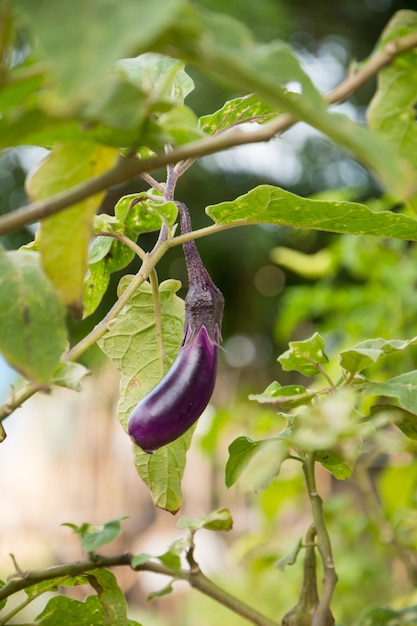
x=369, y=352
x=69, y=375
x=305, y=356
x=93, y=537
x=139, y=559
x=291, y=558
x=30, y=311
x=334, y=464
x=218, y=520
x=162, y=76
x=290, y=396
x=244, y=109
x=139, y=214
x=268, y=453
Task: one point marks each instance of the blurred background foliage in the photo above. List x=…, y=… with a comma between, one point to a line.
x=269, y=295
x=361, y=287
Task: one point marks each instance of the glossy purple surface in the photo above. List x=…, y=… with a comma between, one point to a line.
x=179, y=399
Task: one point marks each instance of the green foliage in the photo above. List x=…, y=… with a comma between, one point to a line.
x=93, y=537
x=271, y=205
x=134, y=214
x=108, y=99
x=218, y=520
x=107, y=607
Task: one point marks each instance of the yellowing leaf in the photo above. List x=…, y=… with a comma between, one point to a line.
x=64, y=237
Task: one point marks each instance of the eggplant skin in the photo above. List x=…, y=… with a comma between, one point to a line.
x=178, y=400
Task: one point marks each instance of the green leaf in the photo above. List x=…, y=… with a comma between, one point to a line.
x=64, y=237
x=267, y=204
x=110, y=596
x=69, y=375
x=30, y=310
x=93, y=537
x=87, y=613
x=163, y=470
x=305, y=356
x=218, y=520
x=96, y=282
x=244, y=109
x=392, y=110
x=93, y=26
x=139, y=214
x=107, y=607
x=289, y=396
x=162, y=76
x=334, y=463
x=161, y=593
x=369, y=352
x=270, y=70
x=403, y=388
x=2, y=602
x=291, y=558
x=135, y=214
x=139, y=559
x=132, y=345
x=254, y=475
x=180, y=125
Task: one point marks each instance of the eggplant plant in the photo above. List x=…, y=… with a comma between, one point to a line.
x=112, y=117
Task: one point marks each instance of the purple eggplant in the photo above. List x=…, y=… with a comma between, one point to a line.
x=179, y=399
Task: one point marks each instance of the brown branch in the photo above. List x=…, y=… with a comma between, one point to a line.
x=197, y=580
x=130, y=167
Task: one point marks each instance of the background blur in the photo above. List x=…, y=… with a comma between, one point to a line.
x=66, y=458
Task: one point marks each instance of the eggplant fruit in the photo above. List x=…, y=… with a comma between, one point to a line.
x=181, y=396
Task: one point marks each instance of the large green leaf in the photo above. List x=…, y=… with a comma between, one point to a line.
x=403, y=388
x=370, y=351
x=64, y=237
x=83, y=40
x=272, y=71
x=392, y=110
x=305, y=356
x=132, y=344
x=254, y=463
x=32, y=317
x=107, y=607
x=271, y=205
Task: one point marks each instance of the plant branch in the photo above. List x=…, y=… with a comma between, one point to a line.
x=377, y=519
x=196, y=580
x=127, y=168
x=321, y=615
